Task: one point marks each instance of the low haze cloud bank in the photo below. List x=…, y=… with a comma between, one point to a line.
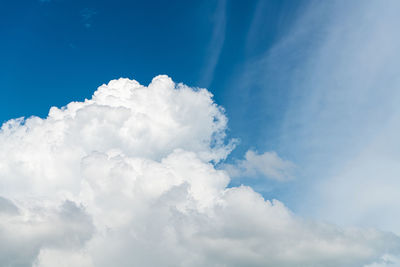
x=128, y=178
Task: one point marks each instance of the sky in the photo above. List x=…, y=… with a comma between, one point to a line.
x=205, y=133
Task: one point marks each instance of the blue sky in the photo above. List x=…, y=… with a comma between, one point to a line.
x=137, y=174
x=55, y=52
x=315, y=81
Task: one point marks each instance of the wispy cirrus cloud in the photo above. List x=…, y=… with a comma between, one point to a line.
x=216, y=43
x=337, y=66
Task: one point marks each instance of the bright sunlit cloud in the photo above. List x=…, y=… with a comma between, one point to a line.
x=129, y=178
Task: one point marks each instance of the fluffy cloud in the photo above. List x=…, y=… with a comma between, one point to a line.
x=128, y=178
x=268, y=165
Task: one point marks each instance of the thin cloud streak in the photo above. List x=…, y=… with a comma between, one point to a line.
x=216, y=44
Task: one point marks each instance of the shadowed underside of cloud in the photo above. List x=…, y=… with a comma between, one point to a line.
x=128, y=178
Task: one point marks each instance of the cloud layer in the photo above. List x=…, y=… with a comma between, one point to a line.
x=128, y=178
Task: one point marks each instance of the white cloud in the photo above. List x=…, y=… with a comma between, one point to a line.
x=128, y=178
x=342, y=121
x=268, y=165
x=216, y=43
x=32, y=226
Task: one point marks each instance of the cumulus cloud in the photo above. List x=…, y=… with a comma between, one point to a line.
x=268, y=165
x=128, y=178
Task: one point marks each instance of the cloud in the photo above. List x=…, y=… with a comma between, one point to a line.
x=128, y=178
x=342, y=120
x=268, y=165
x=27, y=229
x=216, y=43
x=329, y=88
x=87, y=16
x=386, y=260
x=7, y=207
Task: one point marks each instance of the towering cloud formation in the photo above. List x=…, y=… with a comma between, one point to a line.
x=128, y=178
